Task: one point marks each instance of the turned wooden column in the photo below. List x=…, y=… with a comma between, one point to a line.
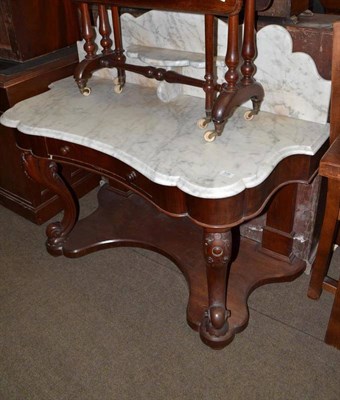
x=119, y=51
x=87, y=31
x=248, y=48
x=232, y=58
x=104, y=30
x=81, y=76
x=210, y=78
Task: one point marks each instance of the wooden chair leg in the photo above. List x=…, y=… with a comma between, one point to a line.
x=333, y=330
x=324, y=252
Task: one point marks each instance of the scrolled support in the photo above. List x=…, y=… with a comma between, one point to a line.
x=45, y=172
x=214, y=329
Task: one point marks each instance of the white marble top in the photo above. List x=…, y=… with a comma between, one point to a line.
x=162, y=140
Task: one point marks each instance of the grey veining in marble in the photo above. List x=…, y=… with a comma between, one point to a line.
x=292, y=83
x=159, y=57
x=162, y=140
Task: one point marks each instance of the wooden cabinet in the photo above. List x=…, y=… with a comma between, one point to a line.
x=286, y=8
x=331, y=6
x=31, y=28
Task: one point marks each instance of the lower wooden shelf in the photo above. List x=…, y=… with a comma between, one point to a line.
x=129, y=220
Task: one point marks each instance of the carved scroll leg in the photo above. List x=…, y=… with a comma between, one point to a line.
x=45, y=172
x=214, y=328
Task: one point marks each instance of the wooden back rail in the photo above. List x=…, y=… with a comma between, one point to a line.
x=221, y=100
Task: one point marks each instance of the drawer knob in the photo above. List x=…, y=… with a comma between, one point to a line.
x=132, y=176
x=64, y=150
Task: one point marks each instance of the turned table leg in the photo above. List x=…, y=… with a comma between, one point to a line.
x=214, y=329
x=84, y=70
x=237, y=90
x=119, y=82
x=45, y=172
x=210, y=76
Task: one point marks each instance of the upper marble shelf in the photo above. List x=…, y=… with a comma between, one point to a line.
x=162, y=140
x=159, y=57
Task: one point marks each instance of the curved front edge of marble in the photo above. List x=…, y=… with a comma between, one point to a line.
x=162, y=141
x=9, y=122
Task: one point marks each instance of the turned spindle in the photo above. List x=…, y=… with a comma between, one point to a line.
x=232, y=57
x=104, y=29
x=119, y=51
x=210, y=79
x=87, y=31
x=249, y=47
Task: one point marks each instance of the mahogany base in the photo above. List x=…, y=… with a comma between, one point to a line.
x=129, y=220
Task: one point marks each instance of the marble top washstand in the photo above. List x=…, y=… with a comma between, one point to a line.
x=154, y=154
x=162, y=140
x=217, y=185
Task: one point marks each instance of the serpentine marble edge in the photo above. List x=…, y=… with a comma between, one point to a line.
x=162, y=141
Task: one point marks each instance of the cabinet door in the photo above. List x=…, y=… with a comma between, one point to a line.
x=7, y=40
x=31, y=28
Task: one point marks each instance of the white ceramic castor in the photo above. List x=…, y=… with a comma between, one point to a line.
x=249, y=115
x=86, y=91
x=118, y=89
x=210, y=136
x=203, y=123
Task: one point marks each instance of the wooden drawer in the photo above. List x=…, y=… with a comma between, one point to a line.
x=103, y=164
x=167, y=198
